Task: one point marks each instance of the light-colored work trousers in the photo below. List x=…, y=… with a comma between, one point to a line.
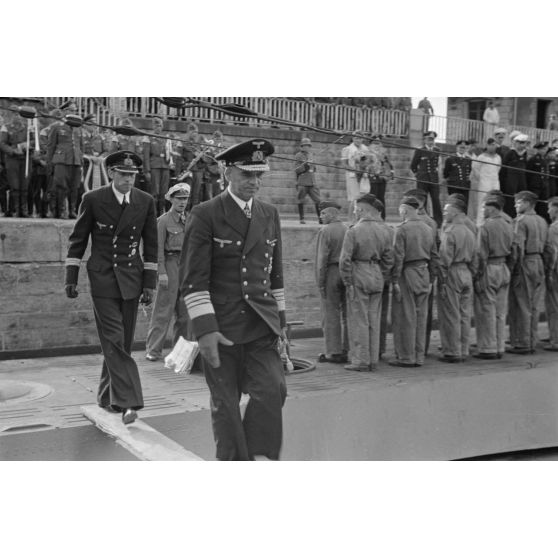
x=168, y=303
x=491, y=306
x=365, y=311
x=455, y=299
x=525, y=293
x=334, y=313
x=409, y=315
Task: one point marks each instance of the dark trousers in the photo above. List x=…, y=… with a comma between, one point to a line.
x=37, y=197
x=3, y=193
x=434, y=191
x=378, y=188
x=65, y=185
x=15, y=174
x=256, y=369
x=159, y=187
x=120, y=384
x=384, y=318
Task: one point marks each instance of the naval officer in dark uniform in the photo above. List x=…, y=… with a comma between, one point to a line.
x=233, y=289
x=117, y=217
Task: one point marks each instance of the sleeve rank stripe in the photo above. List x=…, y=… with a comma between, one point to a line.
x=148, y=266
x=73, y=261
x=199, y=304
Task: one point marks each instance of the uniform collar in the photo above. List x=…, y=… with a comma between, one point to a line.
x=239, y=202
x=119, y=195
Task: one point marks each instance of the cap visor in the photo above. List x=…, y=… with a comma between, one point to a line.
x=264, y=167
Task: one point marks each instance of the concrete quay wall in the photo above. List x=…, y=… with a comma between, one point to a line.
x=35, y=314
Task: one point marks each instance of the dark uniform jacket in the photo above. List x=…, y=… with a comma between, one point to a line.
x=552, y=180
x=65, y=146
x=535, y=182
x=155, y=154
x=232, y=269
x=514, y=180
x=425, y=164
x=10, y=137
x=304, y=169
x=457, y=171
x=115, y=267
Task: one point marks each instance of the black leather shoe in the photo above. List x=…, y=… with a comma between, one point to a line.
x=451, y=359
x=129, y=416
x=519, y=351
x=402, y=364
x=487, y=356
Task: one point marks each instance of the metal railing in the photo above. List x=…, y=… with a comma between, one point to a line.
x=451, y=129
x=341, y=118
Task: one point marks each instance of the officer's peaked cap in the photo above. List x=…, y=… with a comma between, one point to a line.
x=249, y=155
x=123, y=161
x=329, y=203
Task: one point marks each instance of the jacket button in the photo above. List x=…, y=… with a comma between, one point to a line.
x=245, y=283
x=130, y=264
x=246, y=296
x=243, y=270
x=265, y=294
x=266, y=255
x=114, y=245
x=243, y=257
x=264, y=281
x=115, y=265
x=131, y=238
x=114, y=256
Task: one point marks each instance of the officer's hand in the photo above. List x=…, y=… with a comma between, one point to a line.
x=164, y=280
x=147, y=176
x=146, y=297
x=397, y=292
x=71, y=291
x=209, y=347
x=351, y=292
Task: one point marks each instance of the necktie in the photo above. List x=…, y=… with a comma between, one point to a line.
x=247, y=211
x=124, y=203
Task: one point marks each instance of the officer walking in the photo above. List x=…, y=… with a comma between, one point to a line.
x=414, y=269
x=364, y=265
x=455, y=283
x=332, y=289
x=457, y=171
x=233, y=289
x=117, y=217
x=168, y=302
x=424, y=165
x=13, y=138
x=493, y=279
x=156, y=164
x=527, y=274
x=551, y=274
x=65, y=157
x=305, y=170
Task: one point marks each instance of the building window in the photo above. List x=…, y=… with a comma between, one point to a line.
x=476, y=109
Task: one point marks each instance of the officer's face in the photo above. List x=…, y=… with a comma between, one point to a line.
x=429, y=141
x=491, y=148
x=499, y=138
x=123, y=181
x=461, y=148
x=157, y=126
x=488, y=210
x=244, y=184
x=357, y=141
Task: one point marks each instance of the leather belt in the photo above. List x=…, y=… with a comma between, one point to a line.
x=415, y=262
x=497, y=259
x=173, y=253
